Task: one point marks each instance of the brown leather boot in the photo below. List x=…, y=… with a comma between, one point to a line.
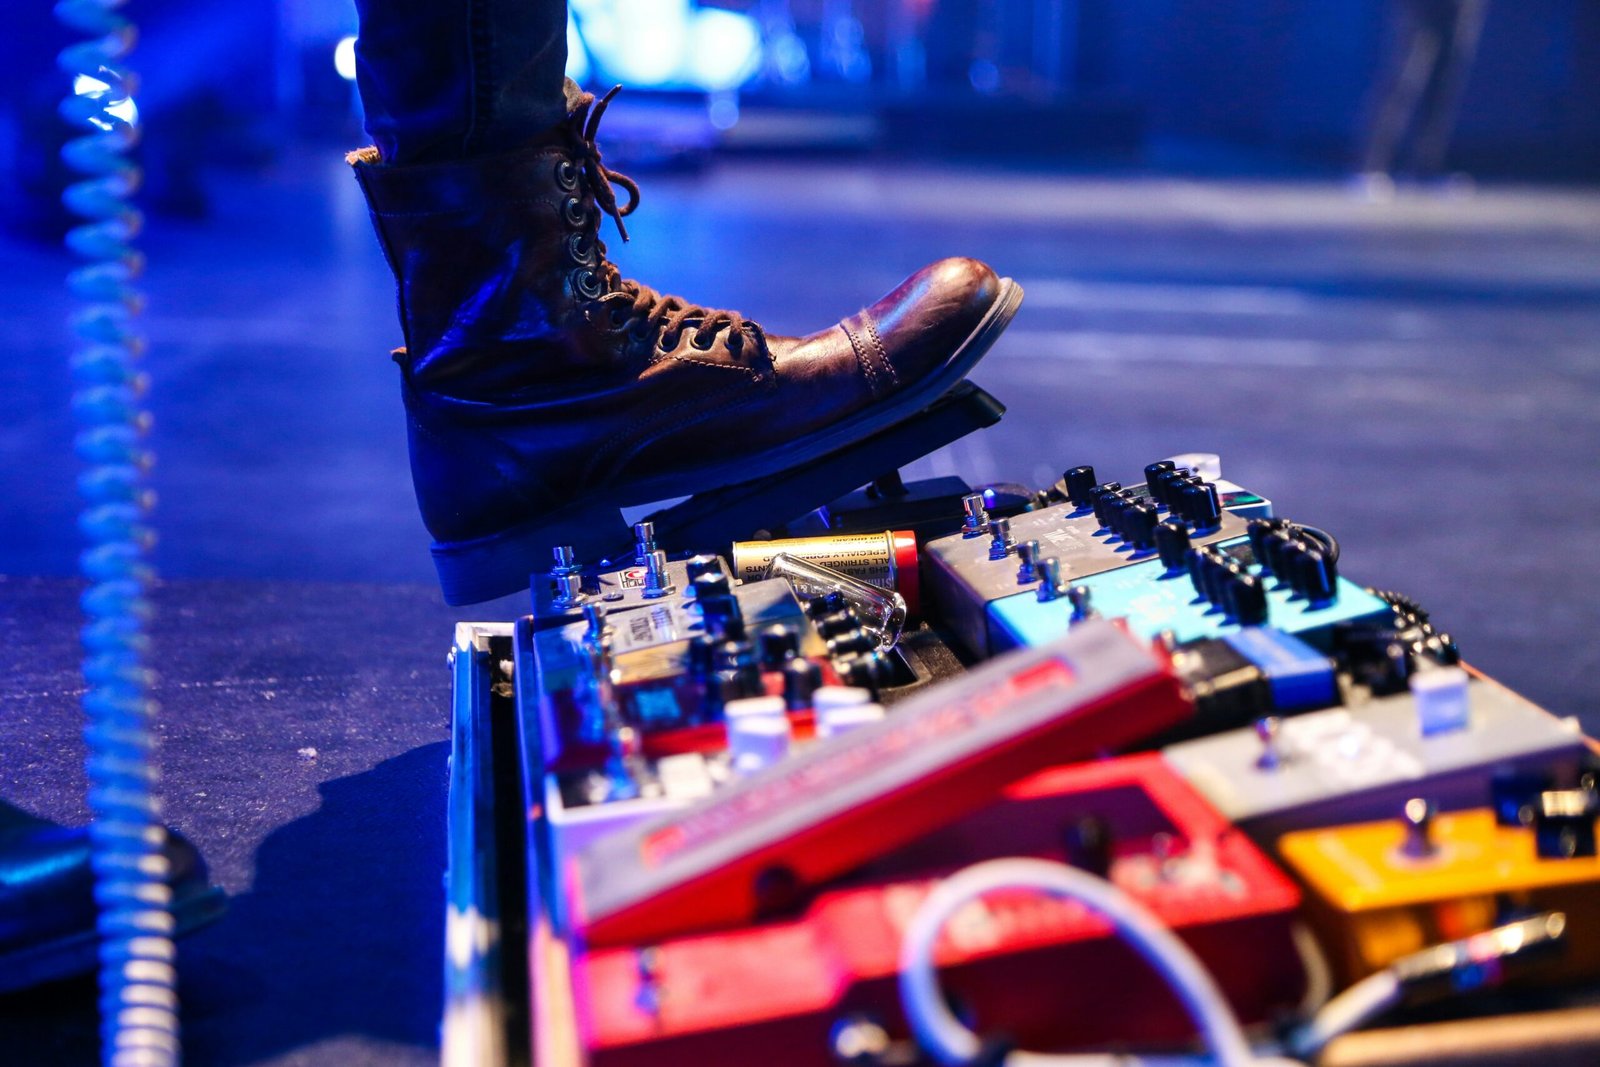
x=544, y=391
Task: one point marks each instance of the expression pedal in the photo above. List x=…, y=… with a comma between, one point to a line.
x=737, y=512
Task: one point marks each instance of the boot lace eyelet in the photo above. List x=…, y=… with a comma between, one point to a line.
x=580, y=249
x=618, y=318
x=586, y=283
x=573, y=209
x=699, y=335
x=567, y=174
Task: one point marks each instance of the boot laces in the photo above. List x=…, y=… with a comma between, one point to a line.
x=626, y=299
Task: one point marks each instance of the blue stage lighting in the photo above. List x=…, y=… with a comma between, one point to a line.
x=344, y=58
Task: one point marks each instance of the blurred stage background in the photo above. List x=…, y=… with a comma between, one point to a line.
x=1413, y=366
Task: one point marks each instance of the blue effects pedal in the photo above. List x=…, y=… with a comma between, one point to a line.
x=1220, y=590
x=1078, y=527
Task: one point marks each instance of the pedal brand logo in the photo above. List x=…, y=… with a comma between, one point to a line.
x=632, y=578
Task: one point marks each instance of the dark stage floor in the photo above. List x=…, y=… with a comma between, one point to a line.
x=1421, y=377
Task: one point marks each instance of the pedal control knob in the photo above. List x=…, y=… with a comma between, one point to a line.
x=1049, y=579
x=702, y=655
x=975, y=518
x=568, y=590
x=1259, y=530
x=1000, y=541
x=1152, y=478
x=1201, y=506
x=1140, y=525
x=1194, y=561
x=779, y=644
x=1098, y=497
x=712, y=584
x=657, y=581
x=828, y=603
x=1248, y=600
x=1028, y=553
x=644, y=540
x=801, y=678
x=1417, y=819
x=1564, y=824
x=1079, y=483
x=1172, y=541
x=840, y=622
x=1269, y=729
x=699, y=566
x=852, y=643
x=1316, y=578
x=1166, y=487
x=594, y=615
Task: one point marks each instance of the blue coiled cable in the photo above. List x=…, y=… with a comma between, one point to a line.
x=138, y=978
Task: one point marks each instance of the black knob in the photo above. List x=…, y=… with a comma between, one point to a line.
x=848, y=644
x=1140, y=525
x=699, y=566
x=1563, y=824
x=1079, y=483
x=840, y=622
x=1315, y=576
x=826, y=604
x=1118, y=508
x=1167, y=485
x=735, y=678
x=1194, y=562
x=1214, y=576
x=1153, y=473
x=1442, y=648
x=715, y=603
x=1514, y=796
x=1225, y=572
x=1201, y=505
x=710, y=584
x=1117, y=514
x=801, y=678
x=1248, y=600
x=1172, y=541
x=778, y=645
x=1098, y=496
x=1258, y=531
x=1275, y=545
x=734, y=655
x=717, y=695
x=715, y=606
x=869, y=671
x=701, y=649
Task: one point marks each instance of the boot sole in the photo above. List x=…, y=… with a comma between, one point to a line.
x=501, y=563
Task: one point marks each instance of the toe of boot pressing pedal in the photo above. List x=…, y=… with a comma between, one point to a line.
x=473, y=571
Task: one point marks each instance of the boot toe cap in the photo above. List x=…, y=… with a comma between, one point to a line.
x=927, y=320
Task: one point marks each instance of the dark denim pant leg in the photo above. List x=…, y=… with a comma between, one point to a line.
x=447, y=79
